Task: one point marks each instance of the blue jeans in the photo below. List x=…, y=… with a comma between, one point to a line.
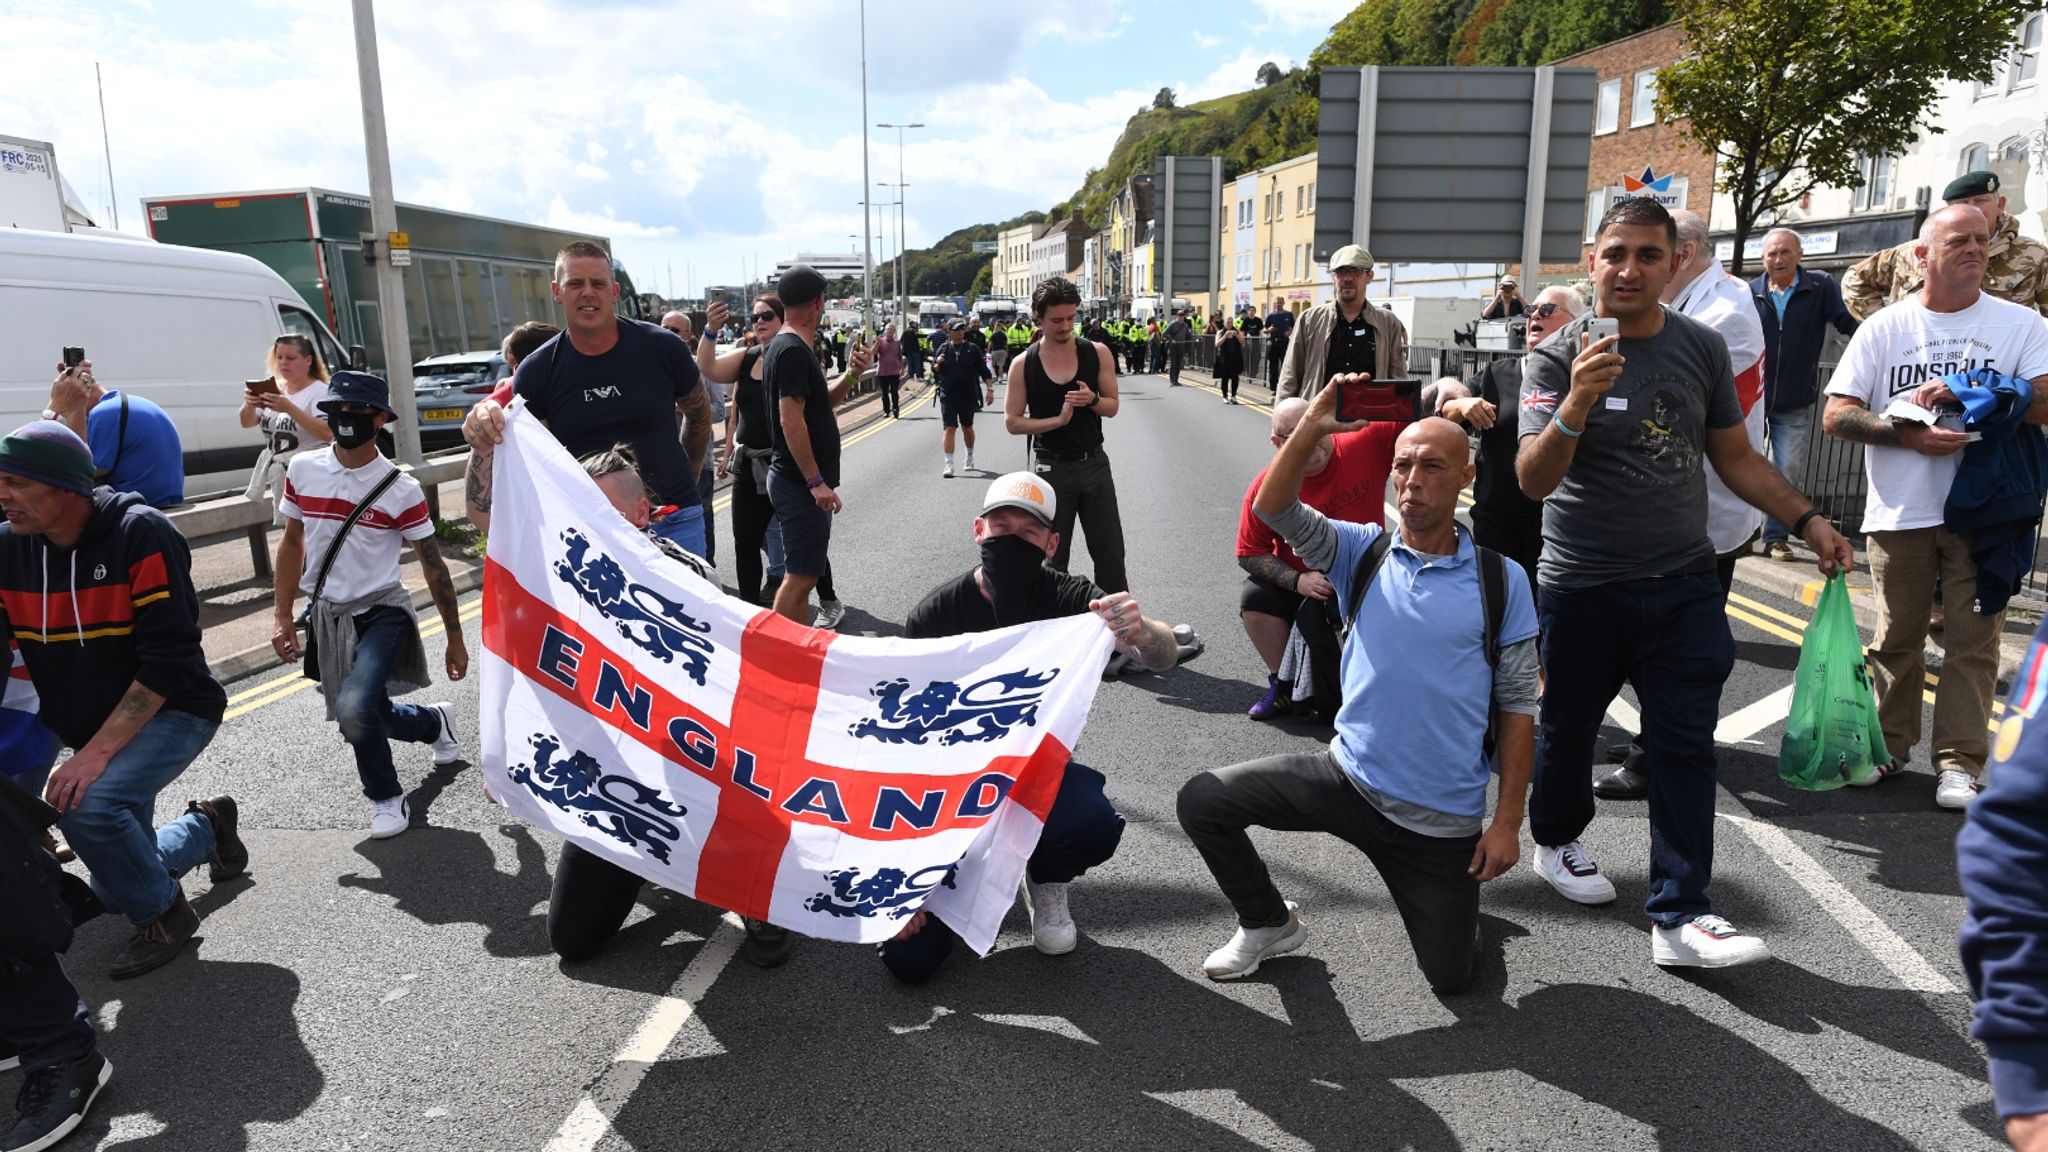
x=1082, y=829
x=369, y=719
x=1788, y=436
x=1669, y=637
x=684, y=529
x=134, y=869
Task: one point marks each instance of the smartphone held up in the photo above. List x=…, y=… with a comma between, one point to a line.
x=1395, y=401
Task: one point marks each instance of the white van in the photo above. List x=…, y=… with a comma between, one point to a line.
x=183, y=326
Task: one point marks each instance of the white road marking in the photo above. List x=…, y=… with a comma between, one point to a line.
x=1891, y=949
x=589, y=1122
x=1625, y=716
x=1746, y=722
x=1057, y=1025
x=1227, y=1110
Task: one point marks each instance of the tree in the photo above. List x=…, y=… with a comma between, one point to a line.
x=982, y=281
x=1789, y=95
x=1164, y=99
x=1270, y=74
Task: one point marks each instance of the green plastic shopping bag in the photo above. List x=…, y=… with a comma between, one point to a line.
x=1832, y=736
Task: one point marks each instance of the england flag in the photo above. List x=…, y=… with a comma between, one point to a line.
x=829, y=784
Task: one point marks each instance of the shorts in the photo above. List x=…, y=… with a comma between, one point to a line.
x=1259, y=596
x=956, y=411
x=806, y=528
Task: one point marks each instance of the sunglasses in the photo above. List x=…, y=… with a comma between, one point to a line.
x=765, y=317
x=1544, y=309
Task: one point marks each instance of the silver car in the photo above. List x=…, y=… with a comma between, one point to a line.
x=447, y=387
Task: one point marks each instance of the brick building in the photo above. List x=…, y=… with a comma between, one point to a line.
x=1636, y=152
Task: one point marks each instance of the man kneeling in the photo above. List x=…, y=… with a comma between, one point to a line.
x=1404, y=781
x=1013, y=585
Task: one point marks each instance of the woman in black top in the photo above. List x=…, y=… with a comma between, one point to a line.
x=746, y=448
x=1229, y=360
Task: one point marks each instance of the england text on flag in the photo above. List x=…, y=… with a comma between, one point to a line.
x=828, y=784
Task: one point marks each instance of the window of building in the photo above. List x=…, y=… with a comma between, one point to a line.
x=1300, y=199
x=1607, y=116
x=2026, y=59
x=1266, y=207
x=2014, y=149
x=1596, y=205
x=1643, y=109
x=1311, y=195
x=1874, y=184
x=1975, y=157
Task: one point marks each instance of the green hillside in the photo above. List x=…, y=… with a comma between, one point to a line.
x=1272, y=122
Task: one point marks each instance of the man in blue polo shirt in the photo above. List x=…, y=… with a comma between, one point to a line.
x=1404, y=781
x=135, y=445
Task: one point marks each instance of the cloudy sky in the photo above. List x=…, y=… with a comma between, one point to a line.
x=698, y=136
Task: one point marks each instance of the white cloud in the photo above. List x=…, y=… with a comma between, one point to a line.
x=1205, y=41
x=1302, y=15
x=1237, y=74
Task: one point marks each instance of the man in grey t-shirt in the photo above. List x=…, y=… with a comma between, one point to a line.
x=1616, y=436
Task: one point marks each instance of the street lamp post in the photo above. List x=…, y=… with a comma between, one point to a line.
x=384, y=220
x=902, y=233
x=867, y=270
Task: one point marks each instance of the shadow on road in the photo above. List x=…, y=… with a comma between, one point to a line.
x=1108, y=1047
x=443, y=876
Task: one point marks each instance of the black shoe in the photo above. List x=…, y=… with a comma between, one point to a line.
x=1619, y=753
x=230, y=855
x=1624, y=783
x=156, y=943
x=766, y=945
x=53, y=1101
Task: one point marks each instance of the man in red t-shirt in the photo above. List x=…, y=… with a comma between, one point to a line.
x=1345, y=480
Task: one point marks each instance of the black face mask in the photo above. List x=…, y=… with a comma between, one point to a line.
x=353, y=430
x=1019, y=583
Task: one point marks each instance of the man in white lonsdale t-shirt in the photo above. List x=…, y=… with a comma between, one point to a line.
x=1950, y=325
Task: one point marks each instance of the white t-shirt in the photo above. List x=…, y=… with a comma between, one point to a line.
x=1903, y=346
x=320, y=493
x=281, y=432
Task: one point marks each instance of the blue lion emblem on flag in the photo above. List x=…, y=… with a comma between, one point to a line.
x=889, y=892
x=649, y=620
x=618, y=806
x=981, y=712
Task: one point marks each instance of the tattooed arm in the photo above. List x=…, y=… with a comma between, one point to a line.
x=1270, y=570
x=68, y=784
x=442, y=587
x=1848, y=419
x=476, y=489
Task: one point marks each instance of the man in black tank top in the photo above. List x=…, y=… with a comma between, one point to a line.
x=1061, y=390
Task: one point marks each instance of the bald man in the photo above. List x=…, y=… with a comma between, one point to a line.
x=1344, y=478
x=1904, y=352
x=1404, y=781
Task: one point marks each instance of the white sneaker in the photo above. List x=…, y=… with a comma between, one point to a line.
x=970, y=460
x=1704, y=942
x=447, y=749
x=830, y=613
x=1954, y=789
x=1570, y=870
x=1052, y=929
x=389, y=817
x=1241, y=957
x=949, y=467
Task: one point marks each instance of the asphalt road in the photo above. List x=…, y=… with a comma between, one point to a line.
x=400, y=994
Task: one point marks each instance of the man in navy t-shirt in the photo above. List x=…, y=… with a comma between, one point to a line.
x=135, y=446
x=607, y=380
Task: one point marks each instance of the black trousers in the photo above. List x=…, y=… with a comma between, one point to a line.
x=41, y=1016
x=752, y=513
x=1226, y=382
x=591, y=899
x=707, y=481
x=1308, y=792
x=1173, y=359
x=1087, y=492
x=892, y=398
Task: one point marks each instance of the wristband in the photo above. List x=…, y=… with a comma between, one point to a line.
x=815, y=482
x=1557, y=421
x=1799, y=525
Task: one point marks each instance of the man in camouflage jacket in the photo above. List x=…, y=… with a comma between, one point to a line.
x=2017, y=270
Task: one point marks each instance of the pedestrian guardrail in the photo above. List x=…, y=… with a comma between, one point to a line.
x=222, y=516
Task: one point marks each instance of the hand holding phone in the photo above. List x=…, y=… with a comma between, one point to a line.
x=73, y=357
x=1598, y=364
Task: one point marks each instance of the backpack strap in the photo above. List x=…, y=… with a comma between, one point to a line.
x=120, y=437
x=1368, y=569
x=1493, y=600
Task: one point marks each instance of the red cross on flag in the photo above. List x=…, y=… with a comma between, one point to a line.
x=830, y=784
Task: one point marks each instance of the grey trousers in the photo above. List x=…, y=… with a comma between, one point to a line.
x=1308, y=792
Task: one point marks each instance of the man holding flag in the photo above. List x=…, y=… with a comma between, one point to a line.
x=1012, y=585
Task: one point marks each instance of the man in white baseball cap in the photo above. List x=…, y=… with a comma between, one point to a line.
x=1013, y=585
x=1349, y=336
